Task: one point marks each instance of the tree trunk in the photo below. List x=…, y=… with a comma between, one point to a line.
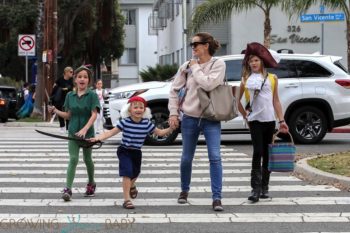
x=267, y=29
x=39, y=94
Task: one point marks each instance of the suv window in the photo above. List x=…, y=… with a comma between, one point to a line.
x=337, y=63
x=285, y=69
x=310, y=69
x=233, y=70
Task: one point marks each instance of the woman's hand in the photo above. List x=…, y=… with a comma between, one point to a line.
x=173, y=122
x=193, y=62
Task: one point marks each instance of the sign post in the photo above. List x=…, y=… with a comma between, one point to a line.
x=322, y=17
x=26, y=47
x=322, y=28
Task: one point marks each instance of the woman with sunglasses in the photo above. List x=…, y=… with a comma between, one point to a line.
x=203, y=71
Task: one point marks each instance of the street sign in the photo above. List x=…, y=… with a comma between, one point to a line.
x=322, y=17
x=26, y=45
x=321, y=9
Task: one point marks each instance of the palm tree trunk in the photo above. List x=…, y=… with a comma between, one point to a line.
x=267, y=29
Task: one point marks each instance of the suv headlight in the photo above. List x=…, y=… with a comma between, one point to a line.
x=125, y=94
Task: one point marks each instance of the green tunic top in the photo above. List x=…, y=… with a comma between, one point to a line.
x=80, y=109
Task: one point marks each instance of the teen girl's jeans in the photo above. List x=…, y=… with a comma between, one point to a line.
x=190, y=130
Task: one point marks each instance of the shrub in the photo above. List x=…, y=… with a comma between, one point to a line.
x=158, y=73
x=6, y=81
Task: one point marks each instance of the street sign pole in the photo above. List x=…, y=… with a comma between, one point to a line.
x=26, y=68
x=322, y=29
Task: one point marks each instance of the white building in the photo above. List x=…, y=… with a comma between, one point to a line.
x=140, y=47
x=328, y=37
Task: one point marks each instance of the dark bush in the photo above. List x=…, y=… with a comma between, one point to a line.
x=158, y=73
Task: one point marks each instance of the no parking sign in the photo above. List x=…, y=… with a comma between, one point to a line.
x=26, y=45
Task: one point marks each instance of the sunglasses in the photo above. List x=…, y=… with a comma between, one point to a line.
x=195, y=44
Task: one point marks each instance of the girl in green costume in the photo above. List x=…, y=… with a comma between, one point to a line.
x=80, y=108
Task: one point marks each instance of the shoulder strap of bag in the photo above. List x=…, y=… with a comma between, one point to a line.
x=271, y=77
x=186, y=74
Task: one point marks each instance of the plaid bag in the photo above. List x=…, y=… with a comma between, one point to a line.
x=281, y=155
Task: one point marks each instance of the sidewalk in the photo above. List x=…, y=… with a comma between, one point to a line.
x=31, y=124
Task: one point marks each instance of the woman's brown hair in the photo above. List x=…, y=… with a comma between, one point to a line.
x=213, y=44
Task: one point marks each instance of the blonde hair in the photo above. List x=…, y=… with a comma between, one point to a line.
x=246, y=71
x=125, y=111
x=68, y=68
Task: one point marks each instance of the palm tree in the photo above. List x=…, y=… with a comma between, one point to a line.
x=300, y=6
x=214, y=10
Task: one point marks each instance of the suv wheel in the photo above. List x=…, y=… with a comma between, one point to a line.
x=307, y=125
x=160, y=120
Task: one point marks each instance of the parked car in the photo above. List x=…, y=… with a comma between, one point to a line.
x=8, y=103
x=314, y=92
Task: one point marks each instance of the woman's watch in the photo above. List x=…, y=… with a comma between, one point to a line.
x=281, y=121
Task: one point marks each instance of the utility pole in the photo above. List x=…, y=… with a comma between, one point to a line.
x=49, y=52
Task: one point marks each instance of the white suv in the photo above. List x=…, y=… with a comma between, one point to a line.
x=314, y=91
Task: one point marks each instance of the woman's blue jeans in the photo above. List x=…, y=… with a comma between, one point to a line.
x=190, y=130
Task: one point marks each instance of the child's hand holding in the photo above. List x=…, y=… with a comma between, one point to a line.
x=93, y=140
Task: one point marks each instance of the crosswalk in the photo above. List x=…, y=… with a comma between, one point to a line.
x=32, y=175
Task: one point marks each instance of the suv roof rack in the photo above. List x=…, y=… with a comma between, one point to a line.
x=290, y=51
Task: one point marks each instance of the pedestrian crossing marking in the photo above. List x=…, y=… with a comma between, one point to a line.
x=15, y=172
x=290, y=201
x=115, y=165
x=179, y=218
x=139, y=180
x=31, y=166
x=170, y=189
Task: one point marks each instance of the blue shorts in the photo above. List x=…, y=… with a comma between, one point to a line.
x=129, y=162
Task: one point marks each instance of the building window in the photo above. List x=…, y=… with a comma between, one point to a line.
x=129, y=57
x=130, y=17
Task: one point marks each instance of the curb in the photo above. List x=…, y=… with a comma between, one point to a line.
x=341, y=130
x=320, y=177
x=31, y=124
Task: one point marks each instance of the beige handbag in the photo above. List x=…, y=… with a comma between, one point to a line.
x=218, y=104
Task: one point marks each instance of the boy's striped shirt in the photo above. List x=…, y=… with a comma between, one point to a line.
x=134, y=133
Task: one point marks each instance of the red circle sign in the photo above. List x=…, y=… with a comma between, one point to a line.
x=26, y=43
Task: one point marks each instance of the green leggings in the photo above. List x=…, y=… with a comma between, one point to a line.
x=73, y=149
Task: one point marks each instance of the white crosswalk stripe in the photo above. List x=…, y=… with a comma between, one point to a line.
x=33, y=175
